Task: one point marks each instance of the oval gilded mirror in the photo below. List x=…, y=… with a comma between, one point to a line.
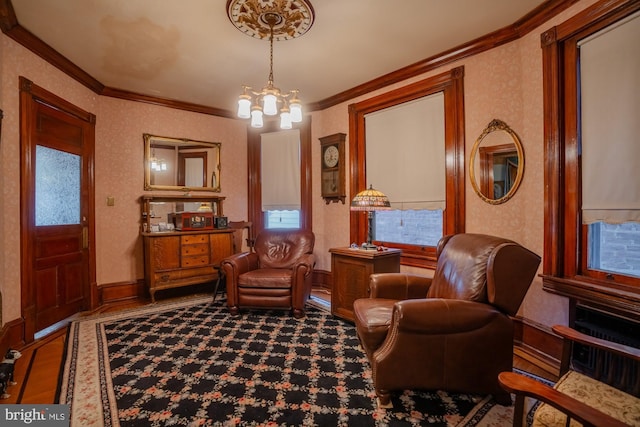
x=496, y=165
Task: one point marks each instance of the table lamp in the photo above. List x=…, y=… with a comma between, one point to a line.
x=370, y=200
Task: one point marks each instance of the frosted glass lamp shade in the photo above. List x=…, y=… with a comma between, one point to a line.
x=285, y=120
x=296, y=111
x=269, y=105
x=244, y=107
x=256, y=118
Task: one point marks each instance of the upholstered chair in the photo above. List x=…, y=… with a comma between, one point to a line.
x=277, y=274
x=454, y=331
x=586, y=398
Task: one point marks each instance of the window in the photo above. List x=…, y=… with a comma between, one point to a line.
x=406, y=140
x=277, y=199
x=591, y=72
x=280, y=178
x=416, y=188
x=610, y=148
x=282, y=219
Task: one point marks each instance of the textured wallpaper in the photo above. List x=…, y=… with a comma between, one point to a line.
x=504, y=83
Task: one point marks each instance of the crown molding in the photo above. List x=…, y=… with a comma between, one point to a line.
x=11, y=27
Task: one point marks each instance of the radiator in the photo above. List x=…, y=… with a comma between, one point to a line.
x=619, y=372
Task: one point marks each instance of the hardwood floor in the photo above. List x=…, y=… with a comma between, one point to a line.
x=37, y=371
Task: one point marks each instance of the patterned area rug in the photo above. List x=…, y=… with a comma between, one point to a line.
x=191, y=363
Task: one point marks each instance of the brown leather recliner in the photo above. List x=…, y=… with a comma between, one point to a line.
x=453, y=332
x=277, y=274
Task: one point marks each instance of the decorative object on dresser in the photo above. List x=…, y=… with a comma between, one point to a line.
x=332, y=168
x=277, y=274
x=454, y=331
x=370, y=200
x=182, y=258
x=351, y=268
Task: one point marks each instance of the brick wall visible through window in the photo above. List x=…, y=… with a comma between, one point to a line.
x=413, y=227
x=615, y=248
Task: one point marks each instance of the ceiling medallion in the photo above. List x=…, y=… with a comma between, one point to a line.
x=290, y=18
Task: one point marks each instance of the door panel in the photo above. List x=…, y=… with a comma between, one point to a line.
x=58, y=266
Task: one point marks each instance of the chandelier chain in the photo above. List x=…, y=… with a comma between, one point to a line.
x=271, y=54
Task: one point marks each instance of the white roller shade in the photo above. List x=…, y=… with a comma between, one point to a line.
x=280, y=164
x=610, y=106
x=405, y=146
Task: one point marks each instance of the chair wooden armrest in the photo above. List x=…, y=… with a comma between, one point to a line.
x=619, y=349
x=523, y=386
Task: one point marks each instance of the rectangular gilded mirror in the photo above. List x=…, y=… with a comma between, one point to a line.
x=181, y=164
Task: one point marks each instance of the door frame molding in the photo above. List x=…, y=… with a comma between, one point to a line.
x=30, y=93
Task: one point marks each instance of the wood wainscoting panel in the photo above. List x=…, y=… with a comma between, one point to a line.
x=122, y=291
x=537, y=344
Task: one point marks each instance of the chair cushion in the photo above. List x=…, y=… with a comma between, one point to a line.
x=601, y=396
x=373, y=318
x=283, y=248
x=266, y=278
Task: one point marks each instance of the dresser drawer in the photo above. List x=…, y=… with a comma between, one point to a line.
x=195, y=238
x=196, y=249
x=193, y=261
x=185, y=274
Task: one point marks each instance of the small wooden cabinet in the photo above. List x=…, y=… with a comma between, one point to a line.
x=351, y=269
x=175, y=259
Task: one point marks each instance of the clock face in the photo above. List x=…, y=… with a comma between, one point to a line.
x=331, y=156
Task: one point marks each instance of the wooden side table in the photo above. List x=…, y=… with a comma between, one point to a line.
x=351, y=269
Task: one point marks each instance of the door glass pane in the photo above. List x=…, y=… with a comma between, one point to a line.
x=57, y=187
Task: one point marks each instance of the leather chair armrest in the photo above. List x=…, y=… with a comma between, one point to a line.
x=306, y=261
x=398, y=286
x=238, y=264
x=442, y=316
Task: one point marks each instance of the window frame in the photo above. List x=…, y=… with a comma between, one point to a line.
x=565, y=242
x=451, y=84
x=256, y=215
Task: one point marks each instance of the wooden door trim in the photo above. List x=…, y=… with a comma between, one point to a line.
x=30, y=93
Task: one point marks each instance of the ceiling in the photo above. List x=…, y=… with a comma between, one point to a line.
x=189, y=51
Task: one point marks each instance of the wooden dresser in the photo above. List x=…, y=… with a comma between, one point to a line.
x=182, y=258
x=351, y=269
x=174, y=259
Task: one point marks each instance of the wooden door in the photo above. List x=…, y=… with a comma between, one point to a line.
x=57, y=226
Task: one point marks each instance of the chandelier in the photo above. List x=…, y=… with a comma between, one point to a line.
x=156, y=163
x=278, y=20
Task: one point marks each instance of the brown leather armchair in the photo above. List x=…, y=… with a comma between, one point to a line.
x=451, y=332
x=277, y=274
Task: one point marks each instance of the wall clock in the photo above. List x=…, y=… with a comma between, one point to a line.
x=332, y=168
